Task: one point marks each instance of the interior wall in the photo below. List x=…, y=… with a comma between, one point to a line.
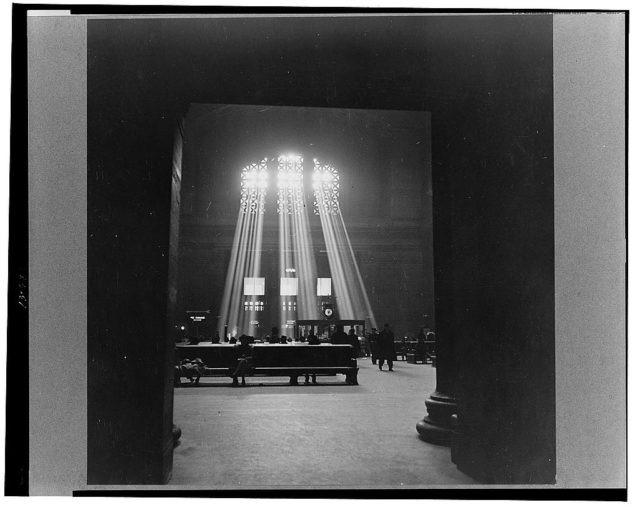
x=383, y=159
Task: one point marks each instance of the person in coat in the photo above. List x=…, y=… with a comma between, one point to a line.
x=244, y=360
x=386, y=350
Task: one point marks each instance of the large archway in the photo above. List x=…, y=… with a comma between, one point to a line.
x=491, y=131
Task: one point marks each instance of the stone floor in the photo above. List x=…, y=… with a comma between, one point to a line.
x=270, y=434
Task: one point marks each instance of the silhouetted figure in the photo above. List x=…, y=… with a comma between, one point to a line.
x=373, y=344
x=313, y=340
x=421, y=346
x=339, y=337
x=367, y=344
x=244, y=358
x=273, y=338
x=191, y=369
x=386, y=348
x=233, y=341
x=216, y=338
x=431, y=345
x=283, y=339
x=352, y=339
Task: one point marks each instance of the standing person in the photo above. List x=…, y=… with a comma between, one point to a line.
x=355, y=343
x=274, y=338
x=244, y=361
x=386, y=347
x=421, y=347
x=313, y=340
x=431, y=345
x=373, y=344
x=367, y=344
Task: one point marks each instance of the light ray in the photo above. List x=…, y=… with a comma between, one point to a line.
x=350, y=292
x=246, y=249
x=296, y=258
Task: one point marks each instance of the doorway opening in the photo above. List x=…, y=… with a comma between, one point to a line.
x=298, y=214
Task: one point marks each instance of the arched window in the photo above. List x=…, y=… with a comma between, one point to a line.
x=290, y=185
x=326, y=188
x=253, y=187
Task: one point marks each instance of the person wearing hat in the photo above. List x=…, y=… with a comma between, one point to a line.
x=244, y=355
x=386, y=348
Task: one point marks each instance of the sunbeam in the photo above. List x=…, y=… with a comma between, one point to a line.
x=244, y=291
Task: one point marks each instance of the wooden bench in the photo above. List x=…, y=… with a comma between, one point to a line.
x=277, y=360
x=424, y=357
x=403, y=347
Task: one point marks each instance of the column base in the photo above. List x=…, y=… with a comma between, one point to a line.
x=437, y=426
x=176, y=433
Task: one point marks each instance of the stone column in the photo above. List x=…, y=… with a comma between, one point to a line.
x=437, y=426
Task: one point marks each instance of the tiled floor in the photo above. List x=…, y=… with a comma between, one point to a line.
x=330, y=435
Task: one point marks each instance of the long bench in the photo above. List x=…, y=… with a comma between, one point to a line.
x=427, y=355
x=277, y=360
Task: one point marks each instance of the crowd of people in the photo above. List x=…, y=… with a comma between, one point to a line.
x=380, y=346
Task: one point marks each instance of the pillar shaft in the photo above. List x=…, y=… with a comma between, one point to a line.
x=437, y=426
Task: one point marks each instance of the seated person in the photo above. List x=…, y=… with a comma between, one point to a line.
x=421, y=347
x=313, y=339
x=339, y=337
x=192, y=370
x=233, y=341
x=244, y=358
x=283, y=339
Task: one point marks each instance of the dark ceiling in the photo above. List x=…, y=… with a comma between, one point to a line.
x=383, y=157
